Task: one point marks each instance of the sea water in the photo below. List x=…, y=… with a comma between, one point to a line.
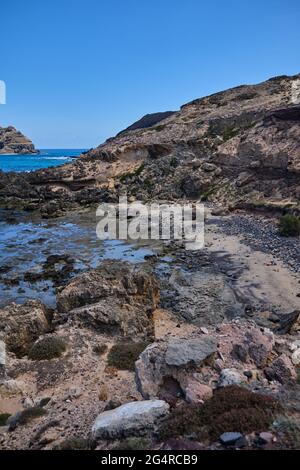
x=44, y=159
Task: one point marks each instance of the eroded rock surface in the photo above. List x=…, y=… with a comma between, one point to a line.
x=21, y=325
x=116, y=298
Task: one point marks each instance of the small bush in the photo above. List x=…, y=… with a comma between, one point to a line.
x=47, y=348
x=100, y=349
x=231, y=408
x=133, y=443
x=289, y=225
x=123, y=355
x=75, y=443
x=23, y=417
x=3, y=418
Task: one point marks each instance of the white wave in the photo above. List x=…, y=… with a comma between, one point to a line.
x=56, y=158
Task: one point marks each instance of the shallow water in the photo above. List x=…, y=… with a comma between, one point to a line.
x=45, y=159
x=26, y=243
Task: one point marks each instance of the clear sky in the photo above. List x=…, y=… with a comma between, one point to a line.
x=78, y=71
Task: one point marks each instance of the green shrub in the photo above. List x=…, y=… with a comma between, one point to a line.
x=289, y=225
x=3, y=418
x=123, y=355
x=230, y=408
x=75, y=443
x=47, y=348
x=133, y=443
x=25, y=416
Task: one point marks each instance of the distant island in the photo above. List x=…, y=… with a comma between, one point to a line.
x=14, y=142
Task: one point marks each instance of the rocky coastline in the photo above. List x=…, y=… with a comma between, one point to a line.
x=185, y=350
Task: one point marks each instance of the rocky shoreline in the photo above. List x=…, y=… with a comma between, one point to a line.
x=152, y=342
x=182, y=350
x=14, y=142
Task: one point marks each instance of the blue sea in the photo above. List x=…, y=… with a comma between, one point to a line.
x=45, y=159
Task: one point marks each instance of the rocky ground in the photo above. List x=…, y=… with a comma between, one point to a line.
x=150, y=355
x=190, y=349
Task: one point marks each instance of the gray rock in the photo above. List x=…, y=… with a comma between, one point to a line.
x=230, y=377
x=129, y=419
x=182, y=352
x=230, y=438
x=206, y=166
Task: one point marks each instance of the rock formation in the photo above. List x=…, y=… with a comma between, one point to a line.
x=239, y=147
x=13, y=141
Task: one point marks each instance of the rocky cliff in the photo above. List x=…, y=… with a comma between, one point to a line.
x=239, y=147
x=13, y=141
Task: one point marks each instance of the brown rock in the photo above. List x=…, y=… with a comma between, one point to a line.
x=281, y=369
x=196, y=392
x=21, y=325
x=117, y=298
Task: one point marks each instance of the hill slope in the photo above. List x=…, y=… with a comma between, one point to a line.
x=239, y=147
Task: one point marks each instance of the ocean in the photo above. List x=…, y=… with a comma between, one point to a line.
x=45, y=159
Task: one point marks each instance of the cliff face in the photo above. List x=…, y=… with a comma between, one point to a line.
x=13, y=141
x=239, y=148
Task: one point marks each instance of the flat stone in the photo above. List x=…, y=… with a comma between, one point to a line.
x=266, y=437
x=230, y=438
x=230, y=377
x=129, y=419
x=182, y=352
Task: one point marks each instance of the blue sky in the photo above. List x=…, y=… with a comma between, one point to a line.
x=77, y=72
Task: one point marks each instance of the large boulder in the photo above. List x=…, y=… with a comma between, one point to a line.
x=131, y=419
x=117, y=298
x=173, y=358
x=21, y=325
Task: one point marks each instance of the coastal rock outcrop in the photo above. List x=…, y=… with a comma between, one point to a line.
x=116, y=298
x=13, y=141
x=240, y=146
x=21, y=325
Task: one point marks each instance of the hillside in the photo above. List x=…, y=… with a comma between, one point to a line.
x=238, y=148
x=13, y=141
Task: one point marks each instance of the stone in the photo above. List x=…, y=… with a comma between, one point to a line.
x=21, y=325
x=281, y=370
x=266, y=437
x=182, y=352
x=296, y=357
x=220, y=211
x=256, y=347
x=289, y=323
x=230, y=438
x=208, y=167
x=230, y=377
x=195, y=392
x=243, y=179
x=117, y=298
x=131, y=419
